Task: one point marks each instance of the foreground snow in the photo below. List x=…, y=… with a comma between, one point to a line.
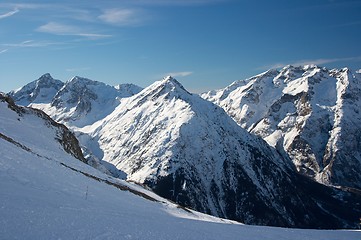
x=42, y=199
x=45, y=194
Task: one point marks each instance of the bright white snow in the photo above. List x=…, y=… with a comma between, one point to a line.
x=44, y=196
x=41, y=199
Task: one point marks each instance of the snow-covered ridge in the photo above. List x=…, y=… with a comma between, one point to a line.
x=310, y=113
x=41, y=90
x=21, y=121
x=77, y=102
x=46, y=193
x=190, y=151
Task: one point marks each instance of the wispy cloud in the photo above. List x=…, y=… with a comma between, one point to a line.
x=319, y=61
x=9, y=14
x=25, y=5
x=3, y=51
x=30, y=43
x=123, y=16
x=62, y=29
x=179, y=74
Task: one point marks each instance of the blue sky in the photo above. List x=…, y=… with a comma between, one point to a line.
x=205, y=44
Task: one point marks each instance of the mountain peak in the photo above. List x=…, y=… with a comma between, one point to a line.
x=45, y=76
x=169, y=87
x=77, y=79
x=169, y=80
x=173, y=84
x=40, y=90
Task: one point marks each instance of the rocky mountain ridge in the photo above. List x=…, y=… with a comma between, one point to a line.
x=46, y=193
x=309, y=113
x=190, y=151
x=77, y=102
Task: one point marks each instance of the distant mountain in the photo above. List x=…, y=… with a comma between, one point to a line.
x=309, y=113
x=47, y=192
x=41, y=90
x=190, y=151
x=77, y=102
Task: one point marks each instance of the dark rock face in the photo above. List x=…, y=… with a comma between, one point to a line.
x=293, y=201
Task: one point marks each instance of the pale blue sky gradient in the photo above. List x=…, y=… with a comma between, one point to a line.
x=205, y=44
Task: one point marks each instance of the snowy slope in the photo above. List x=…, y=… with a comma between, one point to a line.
x=46, y=193
x=190, y=151
x=75, y=103
x=20, y=122
x=309, y=113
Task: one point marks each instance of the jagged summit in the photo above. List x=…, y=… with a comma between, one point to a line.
x=45, y=77
x=169, y=84
x=307, y=112
x=37, y=91
x=82, y=81
x=77, y=102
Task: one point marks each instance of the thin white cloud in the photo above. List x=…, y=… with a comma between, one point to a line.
x=3, y=51
x=123, y=16
x=179, y=74
x=31, y=43
x=62, y=29
x=9, y=14
x=319, y=61
x=25, y=5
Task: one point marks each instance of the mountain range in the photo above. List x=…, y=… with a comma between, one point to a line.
x=191, y=151
x=310, y=114
x=47, y=191
x=77, y=102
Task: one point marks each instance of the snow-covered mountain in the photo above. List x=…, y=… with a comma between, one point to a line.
x=190, y=151
x=47, y=193
x=309, y=113
x=75, y=103
x=39, y=91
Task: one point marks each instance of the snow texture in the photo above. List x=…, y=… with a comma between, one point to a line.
x=309, y=113
x=46, y=193
x=190, y=151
